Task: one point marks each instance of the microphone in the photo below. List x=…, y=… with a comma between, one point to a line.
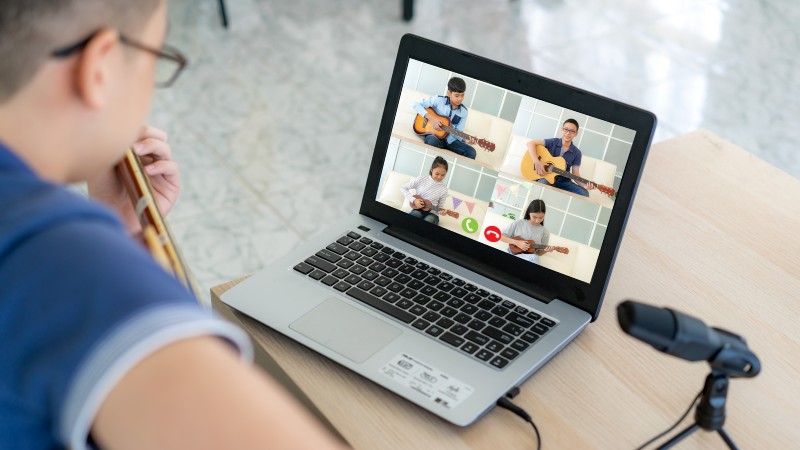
x=686, y=337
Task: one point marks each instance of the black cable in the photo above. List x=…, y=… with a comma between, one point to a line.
x=505, y=403
x=676, y=423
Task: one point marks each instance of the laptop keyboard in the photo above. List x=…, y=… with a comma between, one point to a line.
x=491, y=329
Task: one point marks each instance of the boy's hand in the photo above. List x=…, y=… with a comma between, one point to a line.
x=164, y=174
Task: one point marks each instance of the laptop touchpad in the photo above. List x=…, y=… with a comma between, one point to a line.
x=346, y=330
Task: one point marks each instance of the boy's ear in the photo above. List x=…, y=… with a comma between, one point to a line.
x=94, y=70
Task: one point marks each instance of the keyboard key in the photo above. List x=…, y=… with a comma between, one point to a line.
x=445, y=276
x=330, y=280
x=472, y=298
x=387, y=250
x=402, y=278
x=527, y=336
x=358, y=269
x=369, y=275
x=317, y=274
x=509, y=353
x=340, y=273
x=500, y=311
x=462, y=318
x=484, y=355
x=433, y=330
x=547, y=322
x=428, y=290
x=382, y=281
x=419, y=274
x=378, y=291
x=391, y=297
x=416, y=284
x=540, y=329
x=442, y=297
x=352, y=279
x=321, y=264
x=376, y=245
x=470, y=287
x=390, y=273
x=404, y=303
x=381, y=257
x=365, y=240
x=420, y=324
x=499, y=362
x=483, y=292
x=477, y=338
x=411, y=261
x=444, y=322
x=357, y=246
x=521, y=310
x=476, y=325
x=304, y=268
x=535, y=316
x=417, y=310
x=337, y=248
x=432, y=281
x=469, y=347
x=431, y=316
x=483, y=316
x=445, y=286
x=408, y=293
x=452, y=339
x=455, y=302
x=421, y=299
x=346, y=263
x=494, y=346
x=469, y=309
x=422, y=265
x=341, y=286
x=354, y=235
x=494, y=298
x=345, y=240
x=368, y=252
x=497, y=322
x=328, y=255
x=458, y=292
x=365, y=285
x=398, y=255
x=448, y=311
x=520, y=320
x=508, y=304
x=381, y=305
x=514, y=329
x=394, y=263
x=499, y=335
x=377, y=267
x=520, y=345
x=395, y=287
x=458, y=281
x=405, y=268
x=458, y=329
x=352, y=256
x=364, y=261
x=436, y=306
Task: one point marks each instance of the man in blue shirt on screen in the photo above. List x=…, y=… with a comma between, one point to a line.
x=99, y=347
x=451, y=107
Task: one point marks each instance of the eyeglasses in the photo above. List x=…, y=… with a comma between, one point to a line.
x=568, y=131
x=169, y=64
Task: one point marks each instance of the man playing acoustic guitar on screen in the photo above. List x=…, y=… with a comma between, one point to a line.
x=448, y=106
x=563, y=148
x=428, y=202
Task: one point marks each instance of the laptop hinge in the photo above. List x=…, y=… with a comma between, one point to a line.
x=543, y=294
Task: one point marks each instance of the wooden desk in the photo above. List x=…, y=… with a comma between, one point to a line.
x=719, y=243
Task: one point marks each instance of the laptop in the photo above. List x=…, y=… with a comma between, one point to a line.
x=445, y=314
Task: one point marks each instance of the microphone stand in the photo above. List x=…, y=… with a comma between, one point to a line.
x=710, y=412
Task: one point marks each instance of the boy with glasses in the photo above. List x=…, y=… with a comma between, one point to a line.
x=100, y=346
x=564, y=148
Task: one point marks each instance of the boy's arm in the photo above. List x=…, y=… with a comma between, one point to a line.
x=420, y=106
x=197, y=393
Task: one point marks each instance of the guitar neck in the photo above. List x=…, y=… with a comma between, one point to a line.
x=452, y=130
x=567, y=174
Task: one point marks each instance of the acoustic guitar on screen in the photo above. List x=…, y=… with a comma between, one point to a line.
x=428, y=206
x=424, y=127
x=554, y=166
x=533, y=247
x=156, y=234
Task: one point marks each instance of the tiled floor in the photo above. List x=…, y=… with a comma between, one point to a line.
x=275, y=120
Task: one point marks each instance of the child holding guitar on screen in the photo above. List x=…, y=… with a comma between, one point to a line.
x=562, y=147
x=448, y=106
x=531, y=227
x=429, y=187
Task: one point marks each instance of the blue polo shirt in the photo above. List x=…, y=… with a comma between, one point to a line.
x=441, y=104
x=572, y=156
x=81, y=303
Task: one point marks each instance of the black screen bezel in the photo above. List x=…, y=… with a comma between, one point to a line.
x=495, y=264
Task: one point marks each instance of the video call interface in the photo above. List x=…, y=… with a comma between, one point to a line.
x=526, y=177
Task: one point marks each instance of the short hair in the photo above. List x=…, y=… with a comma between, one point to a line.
x=457, y=85
x=32, y=29
x=438, y=162
x=535, y=206
x=574, y=122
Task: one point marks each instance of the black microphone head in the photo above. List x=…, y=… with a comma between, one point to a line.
x=655, y=326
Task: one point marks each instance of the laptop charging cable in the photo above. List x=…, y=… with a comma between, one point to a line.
x=505, y=403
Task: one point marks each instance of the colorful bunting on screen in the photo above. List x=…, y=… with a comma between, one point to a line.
x=470, y=205
x=456, y=202
x=500, y=189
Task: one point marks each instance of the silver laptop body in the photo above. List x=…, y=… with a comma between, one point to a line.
x=460, y=368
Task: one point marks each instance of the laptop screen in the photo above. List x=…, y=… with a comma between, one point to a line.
x=524, y=176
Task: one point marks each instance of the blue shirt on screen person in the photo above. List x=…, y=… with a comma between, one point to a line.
x=449, y=106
